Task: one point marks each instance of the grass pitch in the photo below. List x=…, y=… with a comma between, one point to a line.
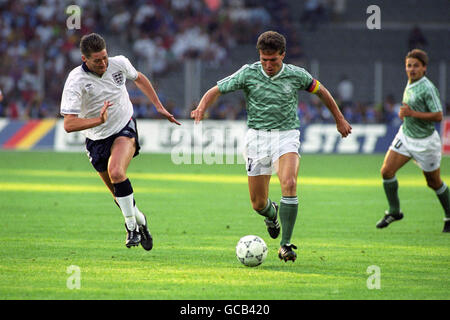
x=56, y=213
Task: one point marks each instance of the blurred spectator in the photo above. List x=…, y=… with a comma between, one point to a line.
x=345, y=91
x=315, y=12
x=338, y=9
x=150, y=55
x=225, y=110
x=390, y=110
x=371, y=115
x=416, y=39
x=2, y=111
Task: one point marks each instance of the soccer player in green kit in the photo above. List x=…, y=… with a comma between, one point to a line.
x=273, y=139
x=416, y=139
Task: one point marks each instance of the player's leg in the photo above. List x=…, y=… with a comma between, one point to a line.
x=393, y=161
x=122, y=152
x=435, y=182
x=104, y=175
x=258, y=187
x=288, y=166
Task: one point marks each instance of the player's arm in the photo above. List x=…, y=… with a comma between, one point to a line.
x=325, y=96
x=73, y=123
x=207, y=100
x=146, y=87
x=406, y=111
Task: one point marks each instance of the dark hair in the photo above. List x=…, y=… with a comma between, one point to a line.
x=419, y=55
x=92, y=43
x=271, y=41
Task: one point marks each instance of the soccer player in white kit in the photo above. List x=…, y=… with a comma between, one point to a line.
x=95, y=101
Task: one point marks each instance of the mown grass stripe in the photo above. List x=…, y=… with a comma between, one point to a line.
x=409, y=181
x=39, y=187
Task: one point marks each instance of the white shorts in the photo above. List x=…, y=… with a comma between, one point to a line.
x=263, y=148
x=426, y=152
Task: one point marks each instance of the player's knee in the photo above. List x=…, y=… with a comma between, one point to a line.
x=258, y=204
x=386, y=173
x=116, y=174
x=289, y=185
x=434, y=184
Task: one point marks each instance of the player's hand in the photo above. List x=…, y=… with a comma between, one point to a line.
x=168, y=115
x=405, y=111
x=197, y=114
x=344, y=128
x=104, y=112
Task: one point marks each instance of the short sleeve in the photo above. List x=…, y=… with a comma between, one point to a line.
x=71, y=98
x=128, y=69
x=233, y=82
x=303, y=80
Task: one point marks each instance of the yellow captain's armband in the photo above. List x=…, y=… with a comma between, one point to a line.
x=314, y=86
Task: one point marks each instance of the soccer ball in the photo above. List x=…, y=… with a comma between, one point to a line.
x=251, y=251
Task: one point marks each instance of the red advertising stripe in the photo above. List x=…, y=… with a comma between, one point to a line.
x=445, y=132
x=22, y=133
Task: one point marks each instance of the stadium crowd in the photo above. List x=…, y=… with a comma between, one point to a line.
x=38, y=50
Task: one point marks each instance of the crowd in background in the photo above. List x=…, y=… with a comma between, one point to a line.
x=38, y=51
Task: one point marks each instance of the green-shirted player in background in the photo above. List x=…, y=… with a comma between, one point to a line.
x=416, y=139
x=273, y=138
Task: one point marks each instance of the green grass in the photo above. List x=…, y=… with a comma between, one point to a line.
x=56, y=212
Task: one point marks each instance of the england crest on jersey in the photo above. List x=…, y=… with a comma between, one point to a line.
x=118, y=78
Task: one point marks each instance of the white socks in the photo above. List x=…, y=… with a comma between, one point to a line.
x=127, y=208
x=140, y=219
x=133, y=216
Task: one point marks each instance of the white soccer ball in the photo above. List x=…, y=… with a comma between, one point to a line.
x=251, y=251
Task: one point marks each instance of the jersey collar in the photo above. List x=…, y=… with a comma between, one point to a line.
x=410, y=85
x=273, y=77
x=86, y=69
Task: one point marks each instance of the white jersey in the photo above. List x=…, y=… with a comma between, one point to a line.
x=85, y=92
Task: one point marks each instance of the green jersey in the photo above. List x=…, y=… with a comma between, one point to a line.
x=271, y=102
x=421, y=96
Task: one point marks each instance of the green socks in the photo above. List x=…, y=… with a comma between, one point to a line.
x=391, y=190
x=268, y=211
x=288, y=215
x=443, y=195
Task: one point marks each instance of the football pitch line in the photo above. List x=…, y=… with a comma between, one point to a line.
x=408, y=181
